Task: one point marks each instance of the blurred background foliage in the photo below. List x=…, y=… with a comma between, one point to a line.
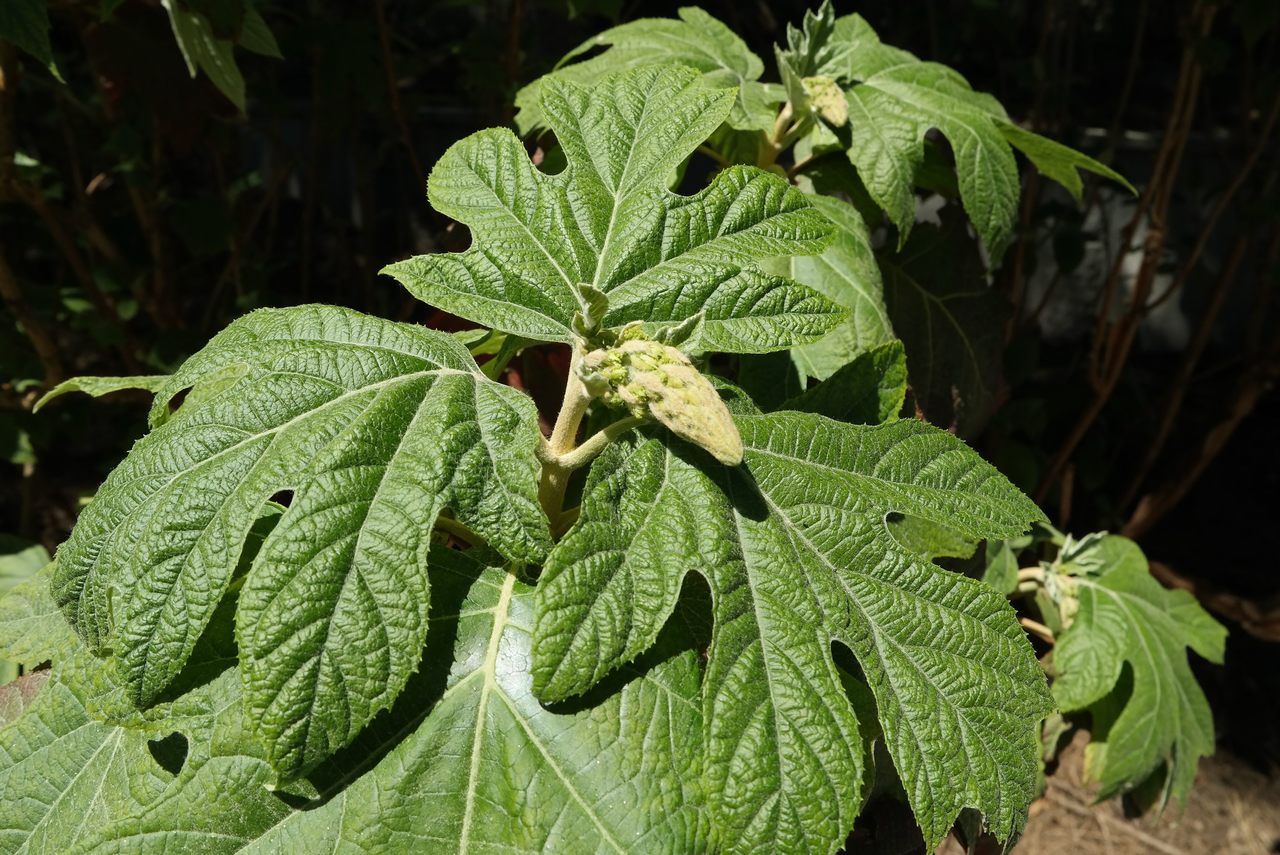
x=167, y=166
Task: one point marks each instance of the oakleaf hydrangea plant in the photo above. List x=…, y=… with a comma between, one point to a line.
x=346, y=596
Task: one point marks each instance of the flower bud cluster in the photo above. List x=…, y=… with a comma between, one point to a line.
x=827, y=100
x=657, y=381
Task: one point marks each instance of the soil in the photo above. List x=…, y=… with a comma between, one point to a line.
x=1234, y=810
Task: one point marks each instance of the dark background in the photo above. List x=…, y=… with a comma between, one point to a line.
x=148, y=212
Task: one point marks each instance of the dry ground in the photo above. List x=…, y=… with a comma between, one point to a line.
x=1234, y=810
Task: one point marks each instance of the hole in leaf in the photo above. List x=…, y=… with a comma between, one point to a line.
x=282, y=497
x=176, y=401
x=170, y=752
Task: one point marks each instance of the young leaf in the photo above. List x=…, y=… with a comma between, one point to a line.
x=609, y=221
x=951, y=322
x=697, y=41
x=492, y=770
x=1125, y=617
x=375, y=427
x=797, y=554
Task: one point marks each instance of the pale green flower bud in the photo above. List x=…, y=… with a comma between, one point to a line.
x=657, y=381
x=827, y=99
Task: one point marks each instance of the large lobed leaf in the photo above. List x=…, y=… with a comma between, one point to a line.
x=609, y=221
x=80, y=770
x=492, y=770
x=894, y=100
x=1127, y=622
x=796, y=550
x=472, y=764
x=375, y=428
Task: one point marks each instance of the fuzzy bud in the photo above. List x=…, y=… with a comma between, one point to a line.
x=655, y=380
x=827, y=100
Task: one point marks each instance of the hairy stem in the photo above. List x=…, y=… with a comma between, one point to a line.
x=560, y=454
x=551, y=451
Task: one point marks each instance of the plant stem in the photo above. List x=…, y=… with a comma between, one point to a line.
x=551, y=451
x=585, y=453
x=1037, y=629
x=455, y=529
x=560, y=454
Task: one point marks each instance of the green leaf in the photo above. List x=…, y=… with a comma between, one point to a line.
x=492, y=770
x=99, y=386
x=1000, y=565
x=1127, y=621
x=25, y=23
x=18, y=563
x=868, y=391
x=203, y=51
x=609, y=221
x=1057, y=161
x=895, y=99
x=697, y=41
x=846, y=273
x=951, y=322
x=375, y=428
x=72, y=782
x=31, y=629
x=929, y=539
x=797, y=554
x=256, y=36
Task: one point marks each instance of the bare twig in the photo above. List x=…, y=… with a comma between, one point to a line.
x=1113, y=340
x=1253, y=385
x=1190, y=359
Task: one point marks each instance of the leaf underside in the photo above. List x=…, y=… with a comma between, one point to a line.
x=796, y=552
x=609, y=221
x=374, y=428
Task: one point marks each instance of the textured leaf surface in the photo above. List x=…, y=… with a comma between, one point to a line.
x=374, y=428
x=696, y=40
x=846, y=273
x=17, y=567
x=609, y=221
x=951, y=322
x=797, y=554
x=73, y=783
x=1126, y=619
x=492, y=770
